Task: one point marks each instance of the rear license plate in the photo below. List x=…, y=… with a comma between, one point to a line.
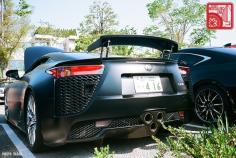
x=147, y=84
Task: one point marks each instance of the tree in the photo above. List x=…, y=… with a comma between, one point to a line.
x=13, y=29
x=23, y=8
x=101, y=19
x=177, y=22
x=83, y=42
x=86, y=39
x=154, y=31
x=48, y=29
x=124, y=50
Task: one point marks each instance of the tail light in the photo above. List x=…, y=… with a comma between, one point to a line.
x=234, y=46
x=64, y=71
x=184, y=70
x=181, y=115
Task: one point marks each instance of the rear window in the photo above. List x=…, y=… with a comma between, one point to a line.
x=190, y=59
x=187, y=59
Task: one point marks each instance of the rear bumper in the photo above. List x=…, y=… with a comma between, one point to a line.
x=70, y=131
x=118, y=106
x=138, y=131
x=57, y=130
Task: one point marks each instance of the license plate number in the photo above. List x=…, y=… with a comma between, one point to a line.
x=147, y=84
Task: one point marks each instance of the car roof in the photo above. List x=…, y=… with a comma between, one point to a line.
x=212, y=51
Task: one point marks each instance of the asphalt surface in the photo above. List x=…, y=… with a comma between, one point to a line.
x=7, y=148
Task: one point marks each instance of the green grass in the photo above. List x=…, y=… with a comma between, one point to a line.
x=103, y=152
x=217, y=142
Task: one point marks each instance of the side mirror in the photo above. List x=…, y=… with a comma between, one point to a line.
x=12, y=74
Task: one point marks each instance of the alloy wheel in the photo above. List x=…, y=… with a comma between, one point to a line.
x=31, y=120
x=209, y=105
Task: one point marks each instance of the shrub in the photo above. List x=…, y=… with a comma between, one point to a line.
x=103, y=152
x=216, y=142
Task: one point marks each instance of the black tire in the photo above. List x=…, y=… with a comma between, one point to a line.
x=6, y=110
x=210, y=103
x=37, y=144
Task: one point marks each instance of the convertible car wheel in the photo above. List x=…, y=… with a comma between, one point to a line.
x=210, y=103
x=32, y=125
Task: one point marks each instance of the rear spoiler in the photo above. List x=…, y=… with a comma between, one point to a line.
x=159, y=43
x=229, y=45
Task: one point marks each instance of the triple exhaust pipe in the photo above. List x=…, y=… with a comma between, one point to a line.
x=153, y=120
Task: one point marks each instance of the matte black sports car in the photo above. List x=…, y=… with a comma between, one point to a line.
x=210, y=74
x=75, y=97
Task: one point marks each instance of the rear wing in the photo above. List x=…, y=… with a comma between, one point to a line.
x=158, y=43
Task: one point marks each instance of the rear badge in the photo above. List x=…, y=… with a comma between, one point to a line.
x=148, y=67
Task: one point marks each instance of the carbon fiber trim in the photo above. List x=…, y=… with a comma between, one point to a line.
x=88, y=129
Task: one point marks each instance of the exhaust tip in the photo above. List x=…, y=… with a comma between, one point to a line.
x=153, y=127
x=160, y=116
x=148, y=117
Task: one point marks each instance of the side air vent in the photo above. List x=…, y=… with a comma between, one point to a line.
x=74, y=93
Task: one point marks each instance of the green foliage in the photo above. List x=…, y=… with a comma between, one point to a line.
x=124, y=50
x=128, y=30
x=103, y=152
x=177, y=22
x=216, y=142
x=23, y=8
x=162, y=148
x=13, y=29
x=158, y=7
x=50, y=30
x=201, y=36
x=100, y=20
x=154, y=31
x=84, y=41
